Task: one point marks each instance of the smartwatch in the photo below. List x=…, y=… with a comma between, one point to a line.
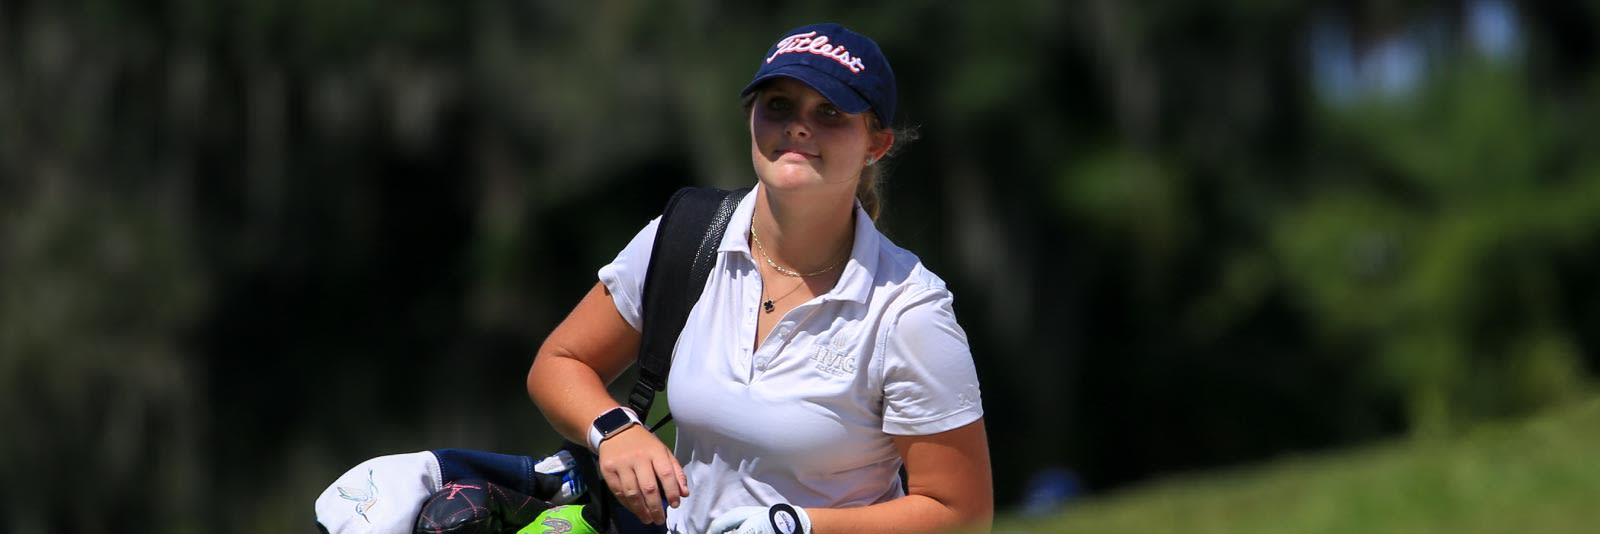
x=610, y=424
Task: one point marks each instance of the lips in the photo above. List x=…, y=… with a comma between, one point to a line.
x=787, y=151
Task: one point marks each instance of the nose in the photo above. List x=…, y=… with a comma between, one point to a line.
x=797, y=128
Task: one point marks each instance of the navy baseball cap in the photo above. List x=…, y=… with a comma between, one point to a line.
x=847, y=68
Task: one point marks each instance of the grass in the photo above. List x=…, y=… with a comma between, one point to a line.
x=1536, y=475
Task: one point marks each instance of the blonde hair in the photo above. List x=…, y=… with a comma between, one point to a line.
x=867, y=192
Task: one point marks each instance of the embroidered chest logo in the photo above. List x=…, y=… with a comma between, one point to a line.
x=811, y=43
x=833, y=359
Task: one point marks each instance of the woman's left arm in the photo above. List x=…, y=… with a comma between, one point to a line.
x=949, y=487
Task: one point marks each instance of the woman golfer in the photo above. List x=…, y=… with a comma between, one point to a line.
x=820, y=358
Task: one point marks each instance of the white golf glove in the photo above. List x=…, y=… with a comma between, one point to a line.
x=779, y=519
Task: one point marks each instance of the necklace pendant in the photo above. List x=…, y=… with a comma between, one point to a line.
x=767, y=306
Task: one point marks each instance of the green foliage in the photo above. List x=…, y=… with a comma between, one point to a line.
x=1131, y=196
x=95, y=295
x=1453, y=282
x=1344, y=251
x=303, y=233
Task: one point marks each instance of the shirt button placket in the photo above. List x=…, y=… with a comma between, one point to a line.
x=780, y=338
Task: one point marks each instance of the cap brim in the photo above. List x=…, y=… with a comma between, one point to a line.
x=841, y=95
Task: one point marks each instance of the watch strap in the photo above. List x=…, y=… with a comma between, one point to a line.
x=595, y=436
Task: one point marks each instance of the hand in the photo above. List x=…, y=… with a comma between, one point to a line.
x=779, y=519
x=640, y=470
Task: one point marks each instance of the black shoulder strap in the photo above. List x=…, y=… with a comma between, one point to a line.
x=685, y=250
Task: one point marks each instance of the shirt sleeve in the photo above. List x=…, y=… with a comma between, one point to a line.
x=930, y=384
x=624, y=276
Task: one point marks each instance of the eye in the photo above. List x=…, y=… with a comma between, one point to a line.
x=778, y=103
x=832, y=116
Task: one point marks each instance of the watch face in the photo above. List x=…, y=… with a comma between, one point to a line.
x=612, y=421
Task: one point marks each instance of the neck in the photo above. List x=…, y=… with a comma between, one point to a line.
x=805, y=232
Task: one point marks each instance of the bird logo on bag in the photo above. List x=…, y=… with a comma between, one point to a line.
x=364, y=498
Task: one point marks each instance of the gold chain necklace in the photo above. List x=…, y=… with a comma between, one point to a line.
x=785, y=270
x=768, y=304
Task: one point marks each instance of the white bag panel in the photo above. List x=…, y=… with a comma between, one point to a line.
x=382, y=495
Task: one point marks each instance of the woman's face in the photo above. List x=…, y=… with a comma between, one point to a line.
x=798, y=139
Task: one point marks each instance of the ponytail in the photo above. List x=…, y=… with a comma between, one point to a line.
x=867, y=191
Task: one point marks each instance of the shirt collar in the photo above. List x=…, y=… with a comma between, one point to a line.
x=733, y=239
x=855, y=284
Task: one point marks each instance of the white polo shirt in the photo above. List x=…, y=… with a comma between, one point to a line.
x=806, y=419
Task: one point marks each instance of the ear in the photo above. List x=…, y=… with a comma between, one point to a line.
x=879, y=143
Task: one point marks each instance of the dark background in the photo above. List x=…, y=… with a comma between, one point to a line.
x=245, y=245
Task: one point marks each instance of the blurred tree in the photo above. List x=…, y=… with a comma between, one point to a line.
x=244, y=245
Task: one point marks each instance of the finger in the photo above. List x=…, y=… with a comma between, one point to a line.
x=731, y=520
x=624, y=486
x=627, y=493
x=723, y=524
x=671, y=486
x=683, y=480
x=649, y=496
x=613, y=482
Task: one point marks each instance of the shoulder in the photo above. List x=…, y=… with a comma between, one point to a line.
x=910, y=283
x=914, y=306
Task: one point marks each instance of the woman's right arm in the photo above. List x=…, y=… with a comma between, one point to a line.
x=588, y=350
